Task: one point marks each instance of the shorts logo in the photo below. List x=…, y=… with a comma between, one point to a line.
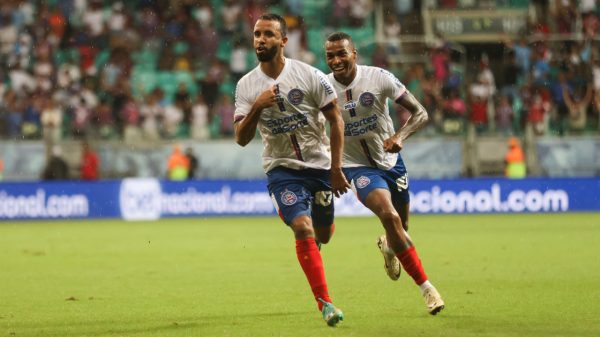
x=288, y=198
x=402, y=183
x=295, y=96
x=362, y=181
x=367, y=99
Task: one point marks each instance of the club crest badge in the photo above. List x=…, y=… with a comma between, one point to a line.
x=367, y=99
x=288, y=198
x=295, y=96
x=362, y=181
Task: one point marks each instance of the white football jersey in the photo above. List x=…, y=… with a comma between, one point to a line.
x=367, y=121
x=293, y=131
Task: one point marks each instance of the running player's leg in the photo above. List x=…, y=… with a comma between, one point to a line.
x=398, y=183
x=293, y=203
x=323, y=212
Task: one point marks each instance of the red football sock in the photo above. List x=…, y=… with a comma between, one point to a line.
x=312, y=264
x=412, y=264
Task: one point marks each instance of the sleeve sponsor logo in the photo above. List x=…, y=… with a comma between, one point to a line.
x=324, y=82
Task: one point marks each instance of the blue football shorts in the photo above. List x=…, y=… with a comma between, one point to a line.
x=302, y=192
x=365, y=179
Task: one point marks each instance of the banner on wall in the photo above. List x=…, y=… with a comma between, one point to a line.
x=151, y=199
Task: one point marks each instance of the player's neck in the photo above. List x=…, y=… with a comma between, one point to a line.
x=346, y=80
x=274, y=67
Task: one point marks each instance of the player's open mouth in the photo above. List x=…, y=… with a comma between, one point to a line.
x=261, y=49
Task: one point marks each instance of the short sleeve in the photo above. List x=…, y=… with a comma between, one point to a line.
x=243, y=105
x=323, y=90
x=391, y=86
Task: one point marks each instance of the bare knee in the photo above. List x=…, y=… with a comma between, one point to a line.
x=389, y=219
x=302, y=228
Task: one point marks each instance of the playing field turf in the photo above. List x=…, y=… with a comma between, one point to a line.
x=500, y=275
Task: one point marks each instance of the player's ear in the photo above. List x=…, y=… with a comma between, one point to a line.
x=284, y=41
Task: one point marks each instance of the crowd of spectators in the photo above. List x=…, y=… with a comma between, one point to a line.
x=166, y=69
x=547, y=80
x=133, y=70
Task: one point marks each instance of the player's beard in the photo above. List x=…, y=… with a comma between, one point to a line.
x=267, y=55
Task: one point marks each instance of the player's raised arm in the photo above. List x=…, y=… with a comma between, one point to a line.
x=339, y=184
x=245, y=126
x=418, y=118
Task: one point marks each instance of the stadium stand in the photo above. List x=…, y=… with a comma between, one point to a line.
x=146, y=70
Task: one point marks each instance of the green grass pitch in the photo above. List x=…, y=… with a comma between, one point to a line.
x=500, y=275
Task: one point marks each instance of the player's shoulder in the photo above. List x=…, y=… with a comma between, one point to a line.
x=383, y=75
x=376, y=71
x=305, y=68
x=250, y=78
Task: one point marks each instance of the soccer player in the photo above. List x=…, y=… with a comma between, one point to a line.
x=371, y=157
x=288, y=102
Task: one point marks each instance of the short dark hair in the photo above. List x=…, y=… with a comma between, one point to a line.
x=339, y=36
x=276, y=17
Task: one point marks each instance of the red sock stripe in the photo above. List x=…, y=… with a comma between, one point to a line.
x=312, y=264
x=412, y=264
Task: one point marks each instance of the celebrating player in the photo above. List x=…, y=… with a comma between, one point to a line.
x=371, y=157
x=289, y=101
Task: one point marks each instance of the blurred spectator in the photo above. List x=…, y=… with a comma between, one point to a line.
x=151, y=115
x=439, y=61
x=31, y=127
x=193, y=161
x=13, y=106
x=577, y=102
x=522, y=55
x=454, y=111
x=178, y=165
x=102, y=121
x=359, y=12
x=566, y=14
x=211, y=83
x=173, y=116
x=510, y=72
x=538, y=112
x=231, y=18
x=51, y=120
x=479, y=96
x=238, y=60
x=515, y=160
x=130, y=115
x=90, y=164
x=200, y=119
x=504, y=116
x=56, y=167
x=80, y=118
x=224, y=111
